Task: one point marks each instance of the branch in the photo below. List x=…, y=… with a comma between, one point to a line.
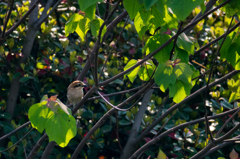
x=17, y=141
x=207, y=128
x=16, y=130
x=6, y=19
x=44, y=16
x=219, y=140
x=187, y=99
x=37, y=146
x=165, y=44
x=98, y=43
x=130, y=147
x=109, y=29
x=22, y=19
x=106, y=116
x=208, y=7
x=181, y=126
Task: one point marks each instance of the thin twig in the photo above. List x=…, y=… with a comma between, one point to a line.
x=16, y=130
x=209, y=78
x=17, y=141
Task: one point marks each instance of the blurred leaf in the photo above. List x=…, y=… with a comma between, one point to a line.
x=161, y=155
x=233, y=154
x=184, y=7
x=155, y=42
x=183, y=42
x=23, y=79
x=132, y=7
x=124, y=122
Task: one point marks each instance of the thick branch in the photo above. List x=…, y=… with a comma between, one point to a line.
x=181, y=126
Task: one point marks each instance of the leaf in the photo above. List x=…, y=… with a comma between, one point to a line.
x=106, y=128
x=161, y=155
x=141, y=21
x=83, y=27
x=64, y=107
x=149, y=3
x=95, y=26
x=185, y=43
x=155, y=42
x=164, y=76
x=181, y=54
x=37, y=114
x=131, y=75
x=72, y=24
x=5, y=116
x=170, y=20
x=233, y=154
x=179, y=90
x=233, y=55
x=234, y=96
x=145, y=72
x=83, y=4
x=183, y=72
x=60, y=127
x=90, y=11
x=203, y=7
x=124, y=122
x=23, y=79
x=225, y=104
x=132, y=7
x=182, y=8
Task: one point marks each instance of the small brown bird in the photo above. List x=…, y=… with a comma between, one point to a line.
x=75, y=92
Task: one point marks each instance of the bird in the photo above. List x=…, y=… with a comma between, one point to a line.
x=75, y=92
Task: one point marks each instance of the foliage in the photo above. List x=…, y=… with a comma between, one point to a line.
x=135, y=46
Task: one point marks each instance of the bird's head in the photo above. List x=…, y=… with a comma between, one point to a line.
x=77, y=85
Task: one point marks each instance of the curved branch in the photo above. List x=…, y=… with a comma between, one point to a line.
x=106, y=116
x=180, y=127
x=17, y=141
x=166, y=43
x=16, y=130
x=187, y=99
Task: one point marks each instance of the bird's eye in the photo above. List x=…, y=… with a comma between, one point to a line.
x=78, y=85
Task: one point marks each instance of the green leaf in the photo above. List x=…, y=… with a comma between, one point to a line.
x=24, y=79
x=124, y=122
x=183, y=72
x=161, y=155
x=170, y=20
x=90, y=11
x=234, y=96
x=145, y=72
x=72, y=24
x=155, y=42
x=149, y=3
x=227, y=43
x=83, y=27
x=37, y=114
x=141, y=21
x=179, y=90
x=203, y=7
x=164, y=76
x=182, y=8
x=83, y=4
x=231, y=7
x=5, y=116
x=64, y=107
x=157, y=18
x=185, y=43
x=106, y=128
x=60, y=127
x=181, y=54
x=132, y=75
x=132, y=7
x=95, y=26
x=233, y=55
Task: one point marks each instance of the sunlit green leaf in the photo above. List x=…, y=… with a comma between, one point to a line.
x=132, y=7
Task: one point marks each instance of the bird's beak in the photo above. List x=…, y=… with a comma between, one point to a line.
x=84, y=85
